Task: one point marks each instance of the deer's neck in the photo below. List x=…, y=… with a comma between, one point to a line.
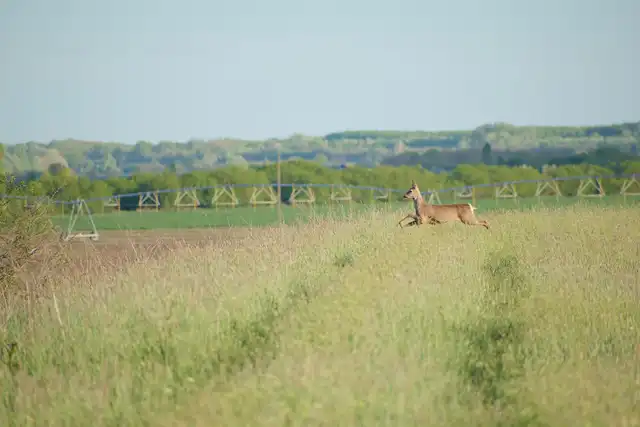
x=419, y=205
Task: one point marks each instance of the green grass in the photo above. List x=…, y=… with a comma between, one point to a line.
x=205, y=218
x=346, y=322
x=261, y=216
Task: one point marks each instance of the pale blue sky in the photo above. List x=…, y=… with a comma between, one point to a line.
x=125, y=70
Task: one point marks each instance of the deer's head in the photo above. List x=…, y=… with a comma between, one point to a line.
x=413, y=193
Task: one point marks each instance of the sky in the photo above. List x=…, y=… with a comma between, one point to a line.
x=129, y=70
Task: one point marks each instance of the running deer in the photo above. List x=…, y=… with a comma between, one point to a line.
x=426, y=213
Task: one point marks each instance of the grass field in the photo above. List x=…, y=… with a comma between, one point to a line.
x=249, y=216
x=534, y=322
x=204, y=218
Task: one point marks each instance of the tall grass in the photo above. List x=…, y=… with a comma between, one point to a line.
x=349, y=322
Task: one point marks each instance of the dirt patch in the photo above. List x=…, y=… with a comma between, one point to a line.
x=117, y=247
x=144, y=237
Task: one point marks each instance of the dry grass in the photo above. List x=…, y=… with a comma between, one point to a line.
x=534, y=322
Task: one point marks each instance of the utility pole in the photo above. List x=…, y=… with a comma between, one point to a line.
x=279, y=182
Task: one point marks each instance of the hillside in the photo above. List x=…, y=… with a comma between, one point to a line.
x=367, y=148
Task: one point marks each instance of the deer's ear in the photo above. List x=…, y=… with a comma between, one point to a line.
x=413, y=183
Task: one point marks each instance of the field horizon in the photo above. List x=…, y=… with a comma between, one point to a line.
x=248, y=216
x=345, y=320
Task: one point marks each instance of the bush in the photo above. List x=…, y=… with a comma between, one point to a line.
x=29, y=248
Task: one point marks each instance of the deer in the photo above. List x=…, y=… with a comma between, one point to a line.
x=426, y=213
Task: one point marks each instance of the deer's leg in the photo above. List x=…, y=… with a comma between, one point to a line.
x=475, y=221
x=416, y=220
x=484, y=224
x=400, y=222
x=412, y=216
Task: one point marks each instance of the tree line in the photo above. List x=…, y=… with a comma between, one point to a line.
x=63, y=184
x=607, y=156
x=533, y=145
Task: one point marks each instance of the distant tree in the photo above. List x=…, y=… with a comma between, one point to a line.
x=57, y=169
x=321, y=158
x=487, y=155
x=479, y=136
x=143, y=149
x=237, y=161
